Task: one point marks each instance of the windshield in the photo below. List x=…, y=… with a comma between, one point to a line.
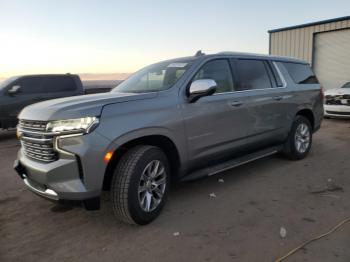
x=153, y=78
x=7, y=81
x=346, y=85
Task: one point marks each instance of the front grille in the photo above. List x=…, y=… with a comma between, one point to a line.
x=33, y=125
x=37, y=144
x=337, y=100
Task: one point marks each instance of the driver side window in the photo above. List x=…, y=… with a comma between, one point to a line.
x=219, y=71
x=30, y=85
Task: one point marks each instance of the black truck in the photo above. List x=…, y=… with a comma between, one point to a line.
x=20, y=91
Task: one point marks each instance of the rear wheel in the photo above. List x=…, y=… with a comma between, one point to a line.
x=299, y=139
x=140, y=185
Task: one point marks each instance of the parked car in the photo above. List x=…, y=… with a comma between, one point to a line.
x=21, y=91
x=337, y=102
x=180, y=119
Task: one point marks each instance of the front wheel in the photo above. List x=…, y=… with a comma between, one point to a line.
x=299, y=139
x=140, y=185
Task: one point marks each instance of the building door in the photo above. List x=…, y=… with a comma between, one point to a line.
x=332, y=58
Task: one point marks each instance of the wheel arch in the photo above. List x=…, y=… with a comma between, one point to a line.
x=307, y=113
x=122, y=145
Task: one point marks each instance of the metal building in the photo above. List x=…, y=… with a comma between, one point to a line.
x=324, y=44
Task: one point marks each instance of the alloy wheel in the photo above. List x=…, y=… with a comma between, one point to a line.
x=302, y=138
x=152, y=186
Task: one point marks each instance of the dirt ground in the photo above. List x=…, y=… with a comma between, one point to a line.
x=242, y=223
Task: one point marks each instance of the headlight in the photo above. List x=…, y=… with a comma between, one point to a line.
x=69, y=126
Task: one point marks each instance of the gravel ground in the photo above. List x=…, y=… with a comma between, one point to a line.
x=242, y=223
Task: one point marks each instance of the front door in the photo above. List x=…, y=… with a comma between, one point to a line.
x=216, y=124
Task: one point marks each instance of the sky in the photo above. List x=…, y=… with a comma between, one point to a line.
x=101, y=37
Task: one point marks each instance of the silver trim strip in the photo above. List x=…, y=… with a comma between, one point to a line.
x=30, y=128
x=36, y=139
x=251, y=90
x=37, y=133
x=28, y=124
x=48, y=193
x=244, y=91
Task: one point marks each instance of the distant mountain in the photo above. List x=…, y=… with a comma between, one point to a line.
x=104, y=84
x=109, y=76
x=92, y=76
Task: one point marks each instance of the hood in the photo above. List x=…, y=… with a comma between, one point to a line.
x=338, y=91
x=77, y=106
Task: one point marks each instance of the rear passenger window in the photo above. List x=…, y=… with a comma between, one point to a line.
x=218, y=70
x=59, y=84
x=301, y=73
x=252, y=75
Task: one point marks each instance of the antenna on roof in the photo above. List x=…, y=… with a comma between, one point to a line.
x=199, y=53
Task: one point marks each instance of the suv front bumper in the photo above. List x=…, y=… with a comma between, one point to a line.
x=77, y=174
x=44, y=192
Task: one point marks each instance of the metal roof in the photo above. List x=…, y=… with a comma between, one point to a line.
x=310, y=24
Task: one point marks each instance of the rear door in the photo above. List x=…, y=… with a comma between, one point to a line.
x=216, y=125
x=266, y=100
x=59, y=86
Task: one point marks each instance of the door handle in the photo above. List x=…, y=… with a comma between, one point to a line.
x=278, y=98
x=236, y=103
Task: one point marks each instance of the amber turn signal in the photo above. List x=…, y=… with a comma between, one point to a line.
x=108, y=156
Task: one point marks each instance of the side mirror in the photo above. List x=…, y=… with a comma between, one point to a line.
x=14, y=90
x=200, y=88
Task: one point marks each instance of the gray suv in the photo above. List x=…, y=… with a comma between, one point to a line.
x=180, y=119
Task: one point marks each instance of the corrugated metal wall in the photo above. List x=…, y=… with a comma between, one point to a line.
x=298, y=42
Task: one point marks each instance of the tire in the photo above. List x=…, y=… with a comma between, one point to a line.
x=292, y=148
x=134, y=174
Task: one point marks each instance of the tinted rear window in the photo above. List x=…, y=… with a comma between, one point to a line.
x=301, y=73
x=252, y=74
x=59, y=84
